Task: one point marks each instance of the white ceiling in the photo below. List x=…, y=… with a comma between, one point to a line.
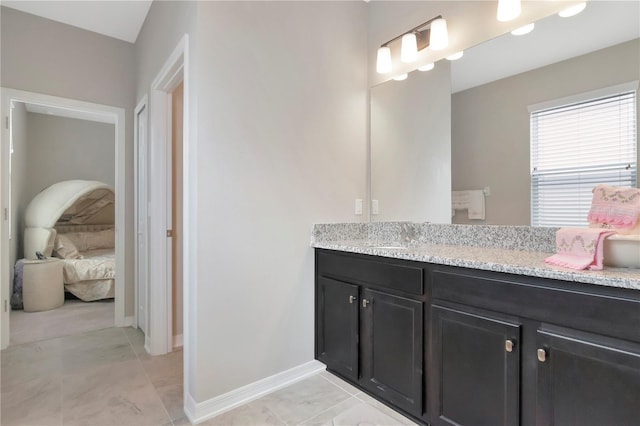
x=114, y=18
x=601, y=24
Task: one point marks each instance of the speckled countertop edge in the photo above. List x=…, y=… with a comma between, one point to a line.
x=529, y=263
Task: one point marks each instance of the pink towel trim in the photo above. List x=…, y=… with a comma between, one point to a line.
x=579, y=248
x=615, y=206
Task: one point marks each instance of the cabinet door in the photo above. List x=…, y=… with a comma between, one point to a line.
x=392, y=349
x=476, y=370
x=587, y=380
x=337, y=326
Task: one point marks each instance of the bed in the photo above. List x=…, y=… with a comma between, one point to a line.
x=74, y=221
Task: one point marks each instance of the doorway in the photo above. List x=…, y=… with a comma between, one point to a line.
x=9, y=233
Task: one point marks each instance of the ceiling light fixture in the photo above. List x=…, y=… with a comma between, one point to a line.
x=455, y=56
x=523, y=30
x=508, y=10
x=427, y=67
x=573, y=10
x=432, y=33
x=401, y=77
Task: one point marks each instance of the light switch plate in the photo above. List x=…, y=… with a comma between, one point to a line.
x=358, y=206
x=375, y=207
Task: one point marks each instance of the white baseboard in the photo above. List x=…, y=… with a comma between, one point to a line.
x=177, y=341
x=200, y=411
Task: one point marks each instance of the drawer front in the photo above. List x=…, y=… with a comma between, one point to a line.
x=380, y=272
x=549, y=301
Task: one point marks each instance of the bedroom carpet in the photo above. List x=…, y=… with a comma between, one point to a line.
x=105, y=378
x=75, y=316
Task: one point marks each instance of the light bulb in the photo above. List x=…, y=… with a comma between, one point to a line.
x=523, y=30
x=427, y=67
x=508, y=10
x=383, y=65
x=439, y=38
x=401, y=77
x=573, y=10
x=455, y=56
x=409, y=50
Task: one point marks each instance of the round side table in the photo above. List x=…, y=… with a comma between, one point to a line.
x=42, y=286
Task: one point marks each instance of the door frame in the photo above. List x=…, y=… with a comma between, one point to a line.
x=160, y=339
x=116, y=116
x=141, y=285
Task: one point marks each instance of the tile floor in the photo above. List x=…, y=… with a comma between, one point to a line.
x=322, y=399
x=75, y=316
x=102, y=377
x=106, y=378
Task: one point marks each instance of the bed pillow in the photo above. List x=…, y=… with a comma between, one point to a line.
x=64, y=248
x=85, y=241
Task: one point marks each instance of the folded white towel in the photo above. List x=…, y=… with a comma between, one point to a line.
x=472, y=201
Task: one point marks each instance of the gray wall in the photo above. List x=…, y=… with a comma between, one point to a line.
x=60, y=148
x=43, y=56
x=490, y=126
x=279, y=144
x=411, y=147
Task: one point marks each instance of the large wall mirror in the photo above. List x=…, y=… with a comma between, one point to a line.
x=490, y=90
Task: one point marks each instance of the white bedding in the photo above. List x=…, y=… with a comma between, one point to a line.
x=92, y=277
x=97, y=264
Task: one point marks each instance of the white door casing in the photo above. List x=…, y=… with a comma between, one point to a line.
x=170, y=76
x=113, y=115
x=174, y=71
x=141, y=175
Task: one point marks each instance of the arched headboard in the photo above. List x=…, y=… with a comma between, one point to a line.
x=69, y=203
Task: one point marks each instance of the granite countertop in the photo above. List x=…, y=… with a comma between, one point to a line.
x=520, y=262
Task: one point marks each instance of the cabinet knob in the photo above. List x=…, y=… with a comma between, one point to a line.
x=365, y=302
x=542, y=355
x=508, y=345
x=352, y=299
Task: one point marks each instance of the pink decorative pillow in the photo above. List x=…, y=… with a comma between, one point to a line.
x=65, y=249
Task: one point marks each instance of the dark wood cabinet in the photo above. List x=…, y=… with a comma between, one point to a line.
x=476, y=364
x=586, y=379
x=574, y=360
x=392, y=349
x=370, y=326
x=337, y=326
x=454, y=346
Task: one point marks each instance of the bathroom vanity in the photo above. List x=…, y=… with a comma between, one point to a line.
x=477, y=334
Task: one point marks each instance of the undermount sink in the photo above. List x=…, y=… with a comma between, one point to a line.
x=622, y=251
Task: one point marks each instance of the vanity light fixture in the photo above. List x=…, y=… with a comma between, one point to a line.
x=427, y=67
x=508, y=10
x=573, y=10
x=409, y=49
x=523, y=30
x=383, y=65
x=455, y=56
x=401, y=77
x=432, y=34
x=439, y=35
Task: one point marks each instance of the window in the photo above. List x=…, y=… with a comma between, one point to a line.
x=575, y=147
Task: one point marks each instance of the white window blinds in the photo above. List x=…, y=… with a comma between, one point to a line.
x=574, y=148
